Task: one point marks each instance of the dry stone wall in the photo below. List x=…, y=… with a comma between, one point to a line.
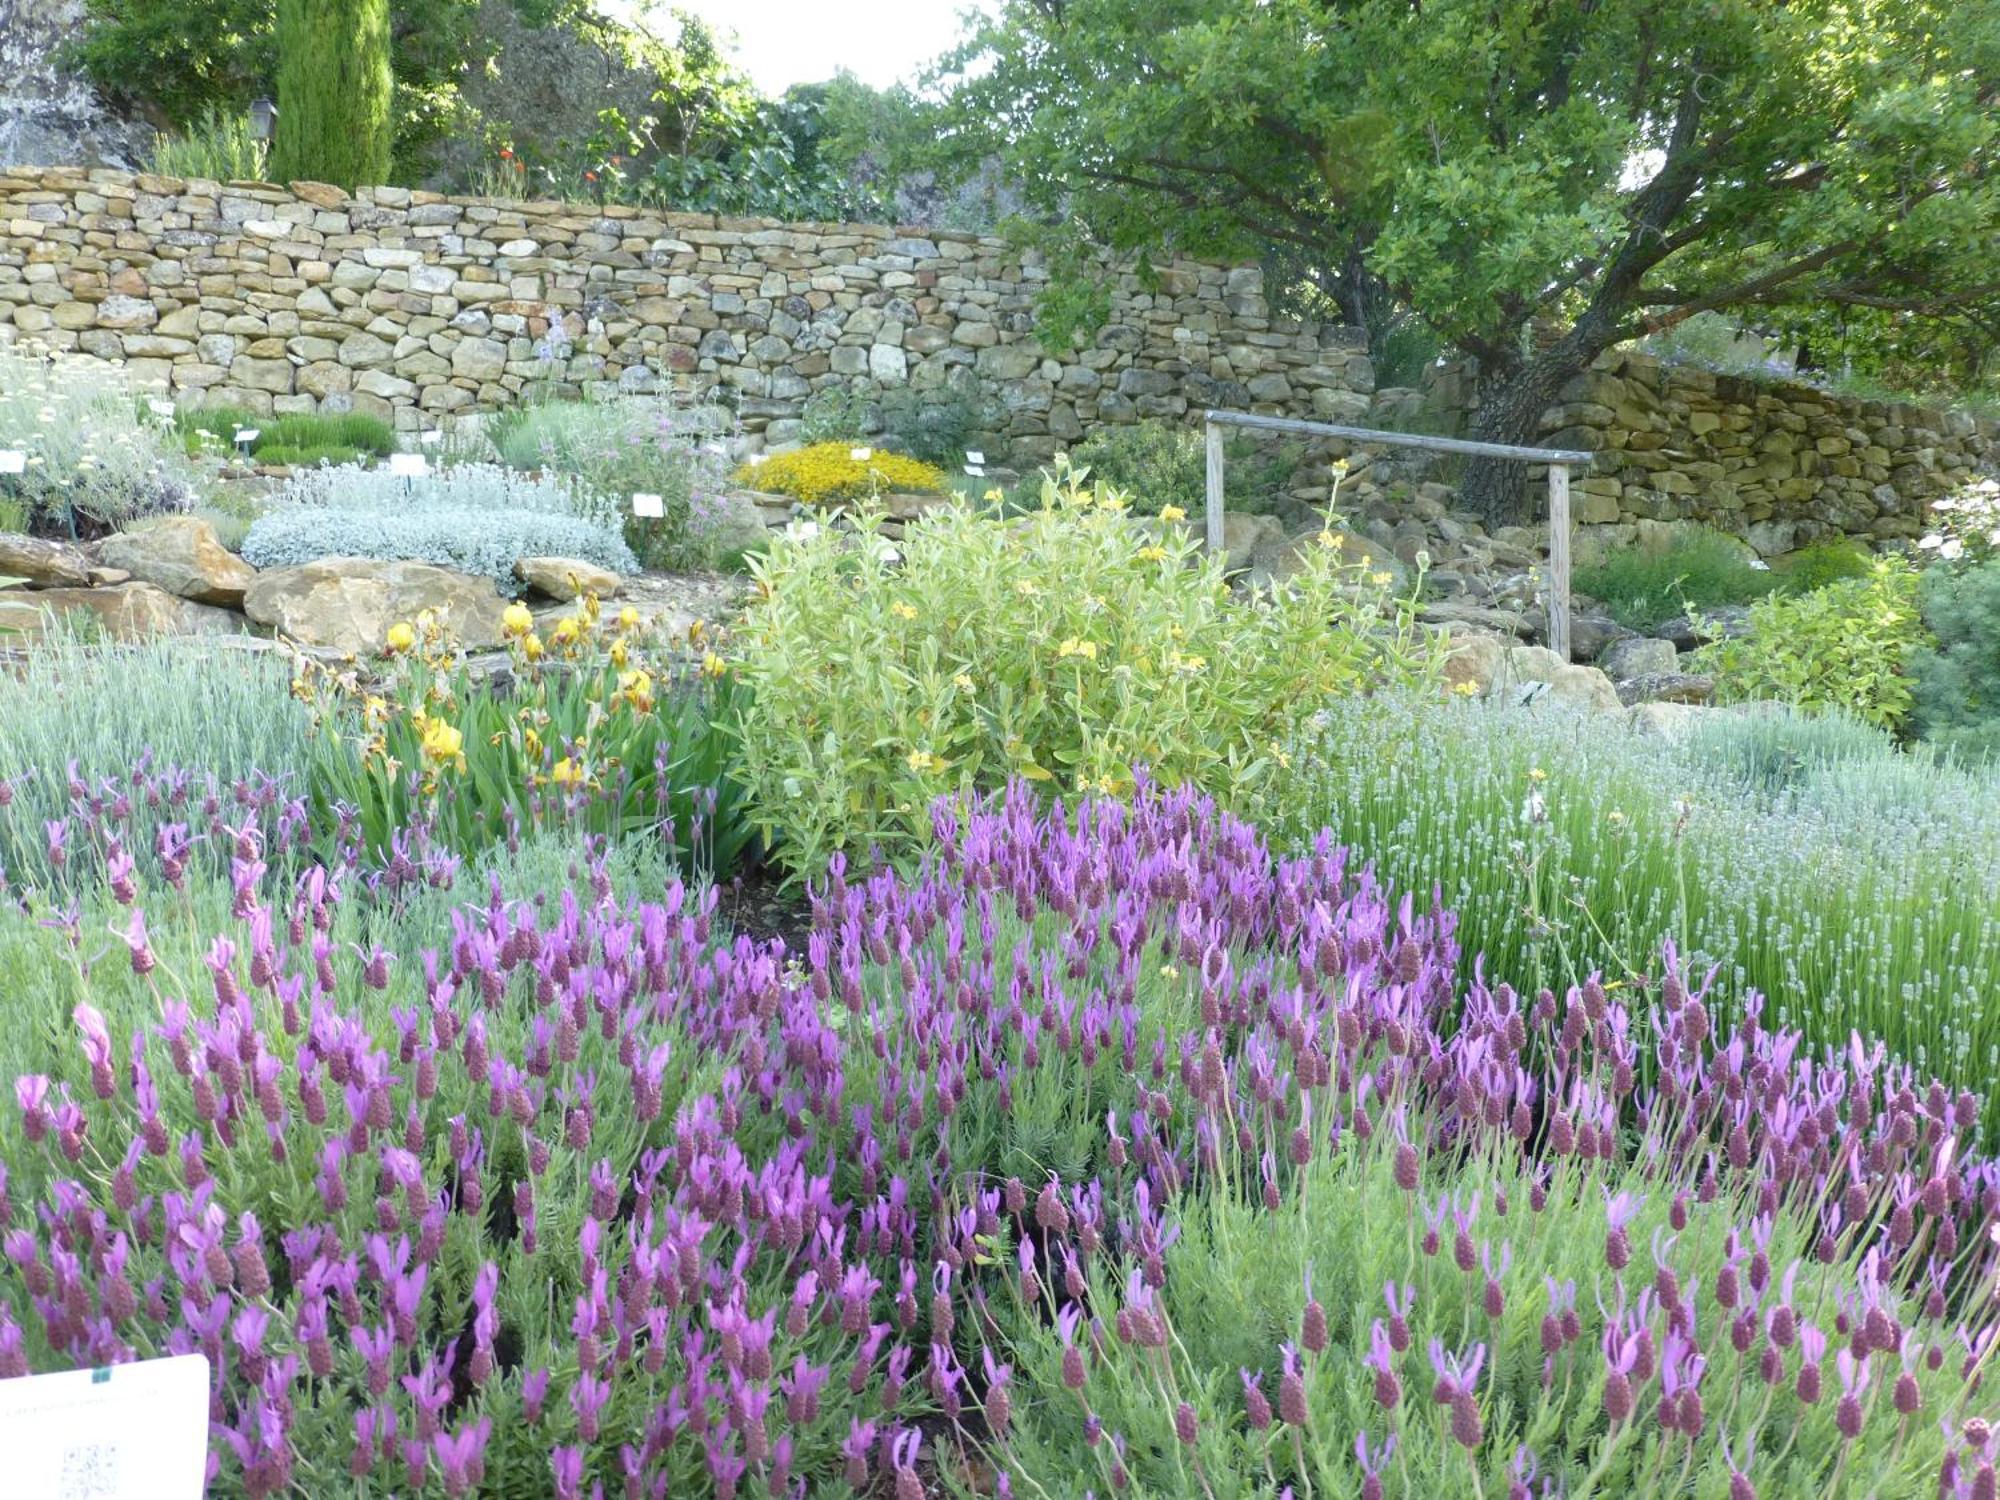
x=1779, y=464
x=420, y=307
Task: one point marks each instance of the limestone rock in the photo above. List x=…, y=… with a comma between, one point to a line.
x=1666, y=687
x=1585, y=688
x=347, y=604
x=566, y=578
x=1473, y=661
x=42, y=564
x=181, y=555
x=131, y=612
x=1639, y=656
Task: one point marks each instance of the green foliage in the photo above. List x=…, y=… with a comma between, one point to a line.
x=643, y=444
x=1822, y=563
x=1160, y=462
x=609, y=731
x=1848, y=881
x=1606, y=168
x=299, y=438
x=938, y=427
x=217, y=145
x=1064, y=646
x=1956, y=679
x=181, y=60
x=95, y=711
x=96, y=456
x=334, y=84
x=1850, y=645
x=1643, y=587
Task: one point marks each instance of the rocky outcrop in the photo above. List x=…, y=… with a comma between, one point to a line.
x=47, y=113
x=42, y=564
x=347, y=604
x=181, y=555
x=127, y=612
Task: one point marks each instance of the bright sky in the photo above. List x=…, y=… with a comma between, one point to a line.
x=783, y=42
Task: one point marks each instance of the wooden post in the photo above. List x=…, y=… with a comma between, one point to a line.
x=1214, y=487
x=1558, y=559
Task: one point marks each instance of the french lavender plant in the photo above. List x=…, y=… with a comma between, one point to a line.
x=1105, y=1154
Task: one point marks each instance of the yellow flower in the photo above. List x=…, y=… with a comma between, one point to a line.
x=628, y=618
x=618, y=654
x=569, y=629
x=1378, y=579
x=1154, y=553
x=1025, y=587
x=713, y=665
x=566, y=772
x=532, y=743
x=1467, y=689
x=903, y=611
x=636, y=688
x=1171, y=513
x=962, y=682
x=1331, y=540
x=921, y=761
x=442, y=742
x=531, y=647
x=401, y=638
x=1536, y=773
x=517, y=620
x=1189, y=664
x=1075, y=647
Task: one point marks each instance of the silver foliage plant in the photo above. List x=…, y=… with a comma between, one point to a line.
x=477, y=518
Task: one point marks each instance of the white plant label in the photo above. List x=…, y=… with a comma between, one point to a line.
x=430, y=437
x=977, y=471
x=974, y=457
x=861, y=455
x=757, y=460
x=127, y=1432
x=652, y=507
x=248, y=434
x=161, y=408
x=409, y=465
x=13, y=461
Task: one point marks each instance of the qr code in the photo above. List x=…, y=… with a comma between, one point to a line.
x=89, y=1472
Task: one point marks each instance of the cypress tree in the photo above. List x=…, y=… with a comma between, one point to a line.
x=334, y=92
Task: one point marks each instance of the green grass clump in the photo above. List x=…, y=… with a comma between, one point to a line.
x=1644, y=587
x=300, y=439
x=1848, y=881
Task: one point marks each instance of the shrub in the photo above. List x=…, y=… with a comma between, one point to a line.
x=95, y=455
x=335, y=88
x=1162, y=463
x=1955, y=681
x=1849, y=645
x=76, y=719
x=1067, y=646
x=614, y=448
x=299, y=439
x=477, y=518
x=1816, y=566
x=604, y=730
x=1823, y=868
x=937, y=426
x=1015, y=1167
x=1644, y=587
x=217, y=146
x=828, y=472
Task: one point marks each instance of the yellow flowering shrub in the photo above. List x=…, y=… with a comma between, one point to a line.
x=1069, y=646
x=827, y=472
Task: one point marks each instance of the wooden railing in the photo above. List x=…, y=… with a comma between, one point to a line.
x=1559, y=461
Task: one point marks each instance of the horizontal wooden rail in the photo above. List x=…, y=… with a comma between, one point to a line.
x=1559, y=461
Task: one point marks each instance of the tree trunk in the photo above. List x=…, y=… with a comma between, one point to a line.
x=1510, y=411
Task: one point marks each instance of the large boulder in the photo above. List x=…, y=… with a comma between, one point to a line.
x=1473, y=661
x=1281, y=557
x=130, y=612
x=1666, y=687
x=42, y=565
x=181, y=555
x=1639, y=656
x=348, y=603
x=565, y=578
x=1585, y=688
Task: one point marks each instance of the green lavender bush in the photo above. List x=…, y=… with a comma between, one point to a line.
x=1956, y=683
x=1644, y=587
x=1853, y=885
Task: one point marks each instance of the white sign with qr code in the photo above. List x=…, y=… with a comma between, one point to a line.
x=127, y=1432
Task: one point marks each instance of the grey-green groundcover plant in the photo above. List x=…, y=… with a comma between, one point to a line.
x=1106, y=1153
x=477, y=518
